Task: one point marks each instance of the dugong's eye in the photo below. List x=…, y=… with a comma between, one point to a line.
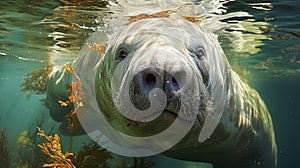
x=200, y=53
x=122, y=53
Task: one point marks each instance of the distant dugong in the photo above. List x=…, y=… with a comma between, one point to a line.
x=168, y=54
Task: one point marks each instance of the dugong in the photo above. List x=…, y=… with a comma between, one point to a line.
x=178, y=70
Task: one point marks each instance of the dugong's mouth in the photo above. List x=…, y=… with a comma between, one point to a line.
x=168, y=120
x=166, y=114
x=171, y=113
x=160, y=115
x=165, y=117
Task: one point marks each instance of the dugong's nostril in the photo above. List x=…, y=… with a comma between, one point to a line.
x=150, y=80
x=175, y=80
x=174, y=84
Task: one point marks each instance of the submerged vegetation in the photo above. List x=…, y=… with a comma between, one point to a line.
x=89, y=155
x=140, y=162
x=28, y=154
x=36, y=149
x=52, y=148
x=4, y=154
x=35, y=82
x=92, y=155
x=74, y=97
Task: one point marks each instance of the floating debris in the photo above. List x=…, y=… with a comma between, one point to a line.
x=163, y=14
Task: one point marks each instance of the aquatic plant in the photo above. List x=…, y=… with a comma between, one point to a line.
x=75, y=94
x=52, y=148
x=98, y=47
x=85, y=3
x=92, y=155
x=143, y=162
x=163, y=14
x=35, y=82
x=45, y=150
x=4, y=154
x=137, y=162
x=89, y=155
x=74, y=98
x=28, y=154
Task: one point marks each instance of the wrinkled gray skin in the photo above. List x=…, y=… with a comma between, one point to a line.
x=244, y=136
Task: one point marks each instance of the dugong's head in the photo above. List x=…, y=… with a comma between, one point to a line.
x=156, y=71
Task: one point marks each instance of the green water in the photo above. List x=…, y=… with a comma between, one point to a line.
x=35, y=34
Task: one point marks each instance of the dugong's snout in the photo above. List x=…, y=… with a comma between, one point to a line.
x=170, y=81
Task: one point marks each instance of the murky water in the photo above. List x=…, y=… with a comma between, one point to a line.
x=262, y=46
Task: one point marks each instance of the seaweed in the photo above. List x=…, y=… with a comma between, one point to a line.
x=75, y=94
x=4, y=154
x=163, y=14
x=37, y=149
x=143, y=162
x=52, y=148
x=89, y=155
x=137, y=162
x=35, y=82
x=75, y=97
x=28, y=153
x=98, y=47
x=92, y=155
x=85, y=3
